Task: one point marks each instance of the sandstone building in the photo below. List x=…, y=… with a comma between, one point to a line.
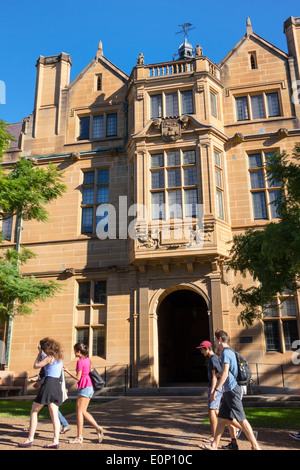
x=173, y=138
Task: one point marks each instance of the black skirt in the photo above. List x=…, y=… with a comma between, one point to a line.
x=50, y=392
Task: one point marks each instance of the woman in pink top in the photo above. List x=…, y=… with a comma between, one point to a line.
x=85, y=392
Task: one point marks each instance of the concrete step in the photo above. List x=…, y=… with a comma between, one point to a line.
x=167, y=391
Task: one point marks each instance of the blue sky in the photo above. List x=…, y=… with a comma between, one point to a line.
x=33, y=28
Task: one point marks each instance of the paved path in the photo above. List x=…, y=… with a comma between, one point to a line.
x=145, y=423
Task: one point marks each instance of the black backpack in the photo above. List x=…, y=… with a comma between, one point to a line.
x=244, y=370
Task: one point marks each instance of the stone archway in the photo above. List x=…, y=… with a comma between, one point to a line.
x=182, y=323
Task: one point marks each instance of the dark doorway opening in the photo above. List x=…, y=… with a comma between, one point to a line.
x=182, y=325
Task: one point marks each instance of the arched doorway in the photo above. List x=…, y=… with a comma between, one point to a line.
x=182, y=324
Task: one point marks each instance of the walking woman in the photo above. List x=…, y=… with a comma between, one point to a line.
x=50, y=393
x=85, y=392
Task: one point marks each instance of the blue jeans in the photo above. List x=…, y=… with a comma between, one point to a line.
x=63, y=420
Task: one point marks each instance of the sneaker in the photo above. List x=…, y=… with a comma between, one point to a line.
x=230, y=446
x=296, y=435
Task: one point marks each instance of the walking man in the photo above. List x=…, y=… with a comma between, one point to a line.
x=231, y=409
x=214, y=372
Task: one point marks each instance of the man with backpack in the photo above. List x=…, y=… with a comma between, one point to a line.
x=231, y=409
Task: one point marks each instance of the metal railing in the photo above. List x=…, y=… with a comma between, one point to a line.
x=275, y=375
x=118, y=376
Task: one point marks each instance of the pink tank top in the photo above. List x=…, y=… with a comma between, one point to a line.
x=84, y=364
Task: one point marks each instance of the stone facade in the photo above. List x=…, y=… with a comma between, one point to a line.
x=182, y=131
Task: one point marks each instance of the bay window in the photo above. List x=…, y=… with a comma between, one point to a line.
x=171, y=104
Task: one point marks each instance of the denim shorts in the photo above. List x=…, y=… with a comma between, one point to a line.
x=86, y=392
x=214, y=405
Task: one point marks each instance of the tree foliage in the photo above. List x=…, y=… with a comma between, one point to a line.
x=25, y=190
x=271, y=255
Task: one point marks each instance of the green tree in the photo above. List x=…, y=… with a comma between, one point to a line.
x=271, y=255
x=25, y=190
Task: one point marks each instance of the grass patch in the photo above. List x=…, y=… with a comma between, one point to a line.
x=21, y=409
x=275, y=418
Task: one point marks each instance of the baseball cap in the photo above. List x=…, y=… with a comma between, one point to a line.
x=204, y=344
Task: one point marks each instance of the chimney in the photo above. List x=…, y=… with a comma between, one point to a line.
x=53, y=75
x=292, y=32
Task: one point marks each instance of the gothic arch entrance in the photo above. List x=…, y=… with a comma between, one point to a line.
x=182, y=324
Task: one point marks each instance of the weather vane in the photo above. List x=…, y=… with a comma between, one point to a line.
x=185, y=28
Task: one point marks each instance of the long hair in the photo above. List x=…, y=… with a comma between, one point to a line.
x=51, y=348
x=82, y=348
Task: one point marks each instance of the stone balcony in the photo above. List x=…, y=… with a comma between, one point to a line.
x=160, y=241
x=175, y=68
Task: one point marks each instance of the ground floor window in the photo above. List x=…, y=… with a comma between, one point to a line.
x=95, y=336
x=91, y=316
x=281, y=325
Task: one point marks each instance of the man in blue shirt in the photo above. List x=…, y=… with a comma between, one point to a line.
x=231, y=409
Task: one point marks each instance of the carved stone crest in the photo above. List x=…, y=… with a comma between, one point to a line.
x=170, y=129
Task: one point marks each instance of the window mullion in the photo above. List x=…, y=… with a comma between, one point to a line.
x=263, y=159
x=265, y=105
x=249, y=107
x=95, y=202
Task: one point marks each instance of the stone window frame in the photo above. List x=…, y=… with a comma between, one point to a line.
x=249, y=107
x=265, y=189
x=163, y=94
x=95, y=203
x=219, y=182
x=214, y=103
x=166, y=189
x=7, y=227
x=253, y=64
x=98, y=82
x=91, y=116
x=91, y=318
x=276, y=320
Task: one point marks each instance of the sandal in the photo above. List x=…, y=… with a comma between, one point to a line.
x=51, y=446
x=64, y=430
x=204, y=447
x=77, y=440
x=208, y=440
x=99, y=431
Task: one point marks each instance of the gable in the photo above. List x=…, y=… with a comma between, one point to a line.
x=259, y=41
x=84, y=90
x=270, y=61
